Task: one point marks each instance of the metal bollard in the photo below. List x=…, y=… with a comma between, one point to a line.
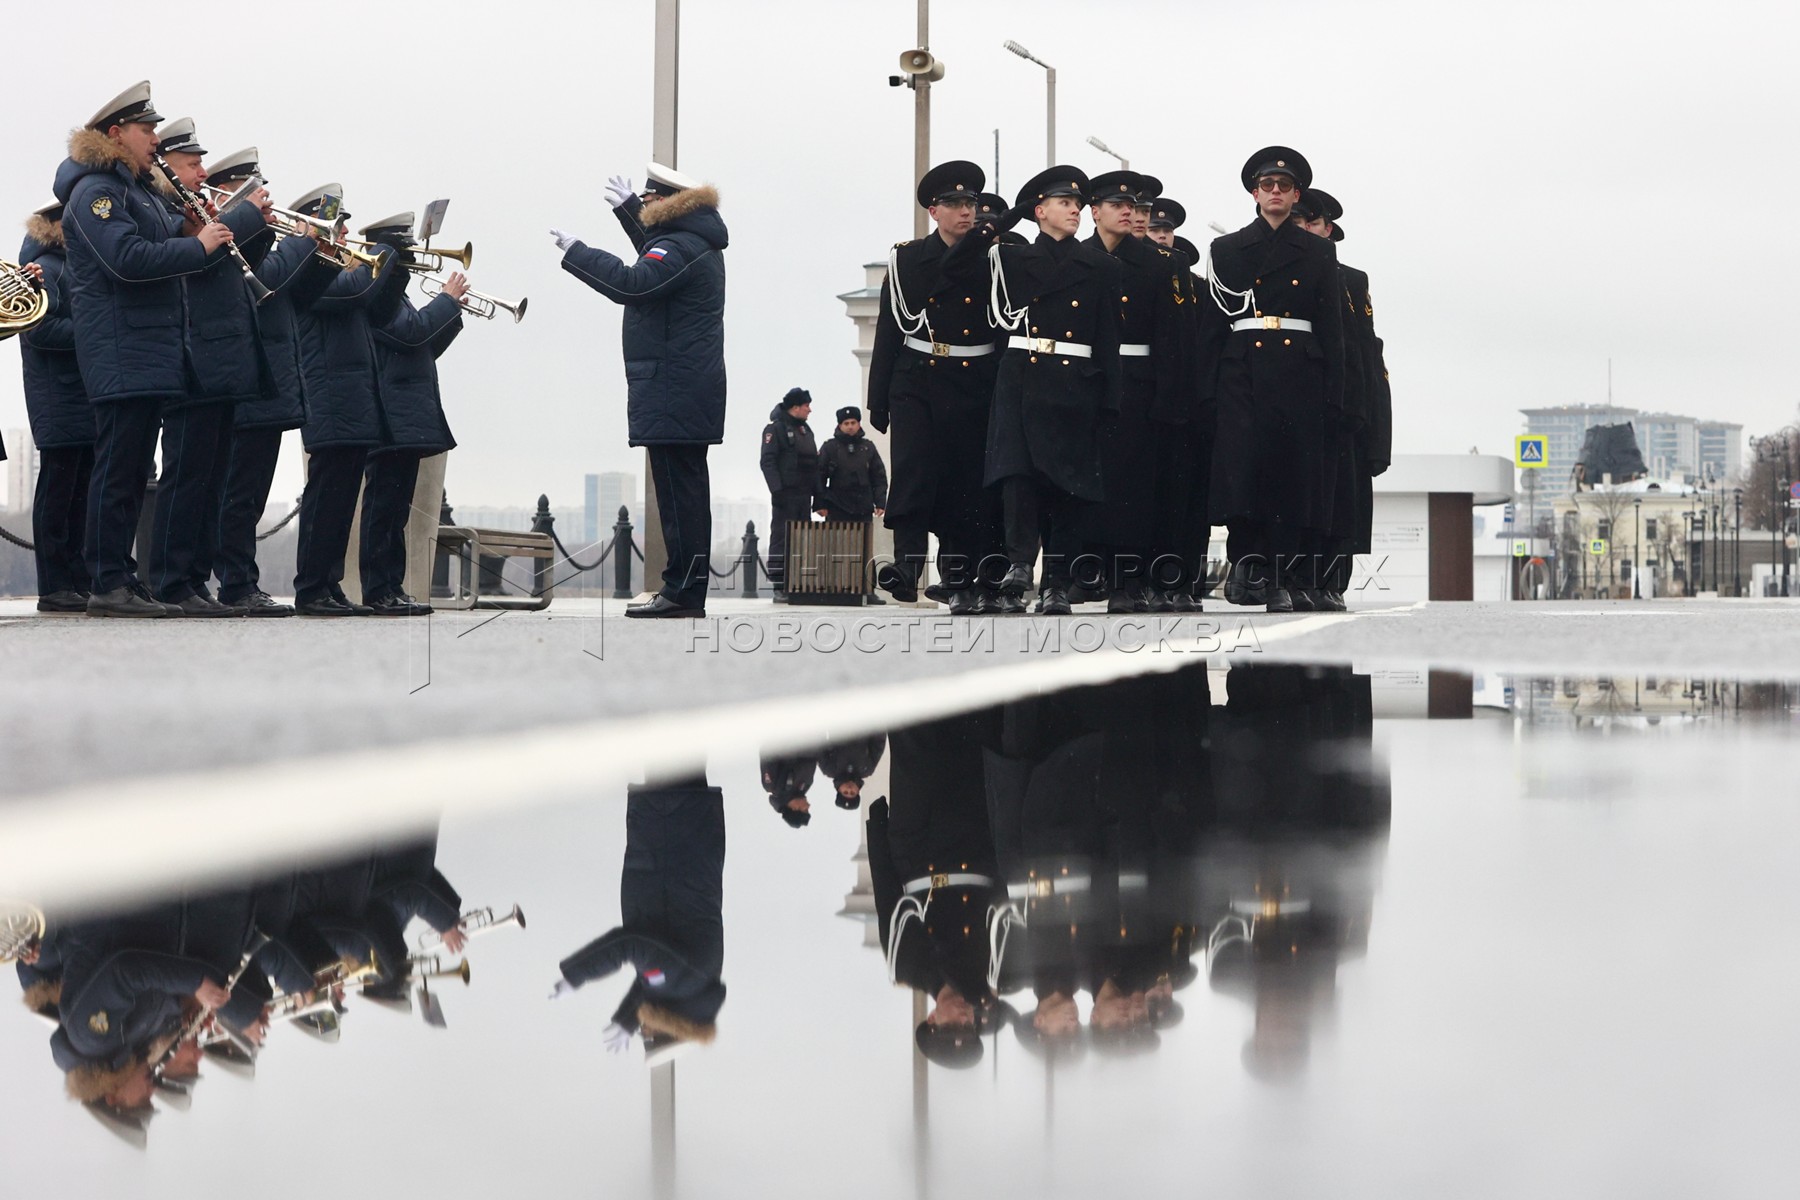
x=747, y=560
x=622, y=556
x=544, y=576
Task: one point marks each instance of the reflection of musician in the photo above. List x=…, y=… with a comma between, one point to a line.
x=931, y=859
x=407, y=348
x=295, y=274
x=343, y=416
x=1291, y=873
x=671, y=930
x=226, y=365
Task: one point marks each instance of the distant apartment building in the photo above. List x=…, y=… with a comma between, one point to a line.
x=1672, y=445
x=604, y=494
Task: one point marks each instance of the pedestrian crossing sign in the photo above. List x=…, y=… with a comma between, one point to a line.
x=1521, y=548
x=1597, y=547
x=1529, y=451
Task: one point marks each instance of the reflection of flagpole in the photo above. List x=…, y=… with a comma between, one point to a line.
x=921, y=1101
x=662, y=1130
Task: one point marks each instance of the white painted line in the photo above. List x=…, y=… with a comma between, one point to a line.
x=118, y=838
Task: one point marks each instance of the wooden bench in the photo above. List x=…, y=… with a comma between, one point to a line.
x=467, y=546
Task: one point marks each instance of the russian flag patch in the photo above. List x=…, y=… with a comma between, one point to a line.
x=653, y=977
x=655, y=252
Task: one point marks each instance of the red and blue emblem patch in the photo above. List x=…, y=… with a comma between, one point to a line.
x=653, y=977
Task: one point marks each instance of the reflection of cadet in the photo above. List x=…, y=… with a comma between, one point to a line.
x=671, y=930
x=848, y=764
x=1291, y=872
x=790, y=466
x=787, y=779
x=935, y=876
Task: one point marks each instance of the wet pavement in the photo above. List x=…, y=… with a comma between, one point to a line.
x=1242, y=928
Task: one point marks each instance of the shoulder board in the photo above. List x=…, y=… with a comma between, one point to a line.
x=1164, y=251
x=907, y=242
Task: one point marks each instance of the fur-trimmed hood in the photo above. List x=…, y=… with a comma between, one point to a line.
x=46, y=233
x=44, y=994
x=91, y=148
x=88, y=1083
x=694, y=211
x=680, y=205
x=657, y=1019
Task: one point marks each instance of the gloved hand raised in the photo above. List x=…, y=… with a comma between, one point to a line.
x=616, y=1037
x=563, y=240
x=563, y=988
x=618, y=190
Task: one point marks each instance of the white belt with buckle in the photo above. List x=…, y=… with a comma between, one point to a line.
x=1249, y=323
x=1050, y=346
x=1135, y=351
x=928, y=883
x=946, y=350
x=1049, y=885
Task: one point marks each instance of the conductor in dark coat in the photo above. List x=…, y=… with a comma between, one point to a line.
x=1274, y=359
x=931, y=383
x=674, y=343
x=672, y=926
x=1059, y=375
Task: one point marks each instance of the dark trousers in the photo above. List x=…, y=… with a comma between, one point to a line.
x=387, y=502
x=196, y=453
x=327, y=507
x=59, y=518
x=1271, y=552
x=684, y=502
x=784, y=507
x=124, y=452
x=1038, y=515
x=254, y=453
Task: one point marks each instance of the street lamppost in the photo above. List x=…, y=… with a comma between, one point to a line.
x=1637, y=548
x=1103, y=148
x=1737, y=528
x=1049, y=99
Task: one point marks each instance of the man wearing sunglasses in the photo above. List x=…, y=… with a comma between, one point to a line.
x=1273, y=360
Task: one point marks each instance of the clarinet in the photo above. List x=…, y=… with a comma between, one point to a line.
x=192, y=1026
x=197, y=209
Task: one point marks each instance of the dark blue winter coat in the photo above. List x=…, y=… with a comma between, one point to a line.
x=61, y=416
x=674, y=331
x=407, y=349
x=337, y=357
x=295, y=276
x=223, y=344
x=127, y=261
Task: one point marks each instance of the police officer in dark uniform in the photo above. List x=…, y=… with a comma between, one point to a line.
x=127, y=260
x=786, y=778
x=62, y=426
x=407, y=348
x=295, y=274
x=340, y=373
x=226, y=359
x=1059, y=297
x=1366, y=440
x=1273, y=348
x=931, y=375
x=1145, y=445
x=848, y=764
x=790, y=466
x=853, y=483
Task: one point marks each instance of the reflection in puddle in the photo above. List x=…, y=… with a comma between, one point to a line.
x=1083, y=925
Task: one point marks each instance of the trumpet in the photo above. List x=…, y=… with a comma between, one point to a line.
x=478, y=304
x=341, y=253
x=320, y=997
x=427, y=966
x=474, y=923
x=430, y=262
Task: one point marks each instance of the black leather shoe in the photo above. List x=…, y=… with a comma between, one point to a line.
x=967, y=603
x=1334, y=602
x=1161, y=601
x=1017, y=581
x=196, y=605
x=143, y=593
x=874, y=598
x=1279, y=601
x=123, y=602
x=897, y=583
x=1184, y=602
x=261, y=604
x=63, y=602
x=1302, y=599
x=660, y=606
x=1003, y=605
x=356, y=610
x=324, y=606
x=399, y=604
x=1055, y=603
x=1121, y=601
x=939, y=593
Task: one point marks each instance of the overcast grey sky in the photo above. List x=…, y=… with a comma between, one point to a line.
x=1533, y=188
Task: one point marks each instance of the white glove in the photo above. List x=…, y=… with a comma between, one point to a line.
x=616, y=1037
x=618, y=190
x=563, y=240
x=563, y=988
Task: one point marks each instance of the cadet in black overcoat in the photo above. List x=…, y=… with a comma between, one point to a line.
x=1059, y=375
x=1184, y=464
x=1147, y=437
x=672, y=926
x=931, y=383
x=790, y=467
x=1274, y=349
